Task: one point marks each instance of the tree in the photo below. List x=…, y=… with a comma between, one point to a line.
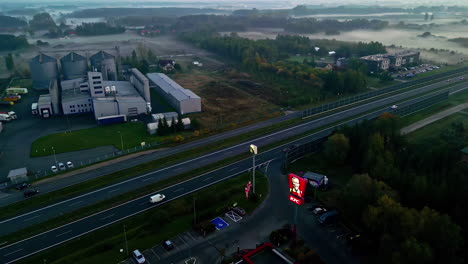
x=160, y=128
x=426, y=16
x=195, y=124
x=165, y=126
x=173, y=128
x=143, y=66
x=180, y=125
x=9, y=62
x=336, y=148
x=152, y=58
x=134, y=57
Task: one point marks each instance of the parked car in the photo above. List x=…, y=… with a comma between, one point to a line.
x=70, y=165
x=29, y=193
x=167, y=244
x=239, y=211
x=319, y=210
x=138, y=256
x=22, y=186
x=62, y=166
x=328, y=218
x=54, y=168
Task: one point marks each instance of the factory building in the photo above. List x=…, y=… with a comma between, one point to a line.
x=74, y=66
x=105, y=63
x=183, y=100
x=44, y=69
x=105, y=98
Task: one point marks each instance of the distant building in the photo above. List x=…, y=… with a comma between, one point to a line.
x=325, y=65
x=342, y=62
x=376, y=62
x=183, y=100
x=166, y=65
x=391, y=60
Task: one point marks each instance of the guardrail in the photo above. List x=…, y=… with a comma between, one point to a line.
x=363, y=96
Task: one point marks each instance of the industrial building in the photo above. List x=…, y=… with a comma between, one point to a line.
x=183, y=100
x=106, y=98
x=44, y=69
x=74, y=66
x=105, y=63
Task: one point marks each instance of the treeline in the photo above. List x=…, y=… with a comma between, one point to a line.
x=163, y=12
x=8, y=22
x=461, y=41
x=331, y=26
x=398, y=188
x=11, y=42
x=292, y=83
x=100, y=28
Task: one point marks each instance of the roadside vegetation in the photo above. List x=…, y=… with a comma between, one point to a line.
x=152, y=227
x=404, y=198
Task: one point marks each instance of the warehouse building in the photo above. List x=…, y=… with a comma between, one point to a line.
x=183, y=100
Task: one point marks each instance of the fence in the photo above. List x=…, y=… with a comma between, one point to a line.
x=315, y=142
x=87, y=162
x=367, y=95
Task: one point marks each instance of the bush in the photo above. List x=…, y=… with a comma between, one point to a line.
x=205, y=227
x=177, y=139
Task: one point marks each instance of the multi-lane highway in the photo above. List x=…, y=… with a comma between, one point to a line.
x=59, y=235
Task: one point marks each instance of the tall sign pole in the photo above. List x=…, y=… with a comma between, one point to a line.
x=254, y=151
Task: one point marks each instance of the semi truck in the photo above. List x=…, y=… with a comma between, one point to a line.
x=11, y=114
x=108, y=120
x=17, y=90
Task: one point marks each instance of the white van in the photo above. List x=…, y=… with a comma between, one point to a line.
x=157, y=198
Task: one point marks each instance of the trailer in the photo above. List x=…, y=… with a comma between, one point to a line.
x=17, y=90
x=114, y=119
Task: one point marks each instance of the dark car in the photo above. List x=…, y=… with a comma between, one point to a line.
x=167, y=244
x=22, y=186
x=239, y=211
x=30, y=193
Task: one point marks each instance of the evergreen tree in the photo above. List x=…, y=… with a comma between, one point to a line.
x=426, y=16
x=9, y=63
x=173, y=128
x=180, y=125
x=165, y=126
x=160, y=128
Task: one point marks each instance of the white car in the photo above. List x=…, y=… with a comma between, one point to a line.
x=157, y=198
x=54, y=168
x=393, y=107
x=62, y=166
x=70, y=165
x=138, y=256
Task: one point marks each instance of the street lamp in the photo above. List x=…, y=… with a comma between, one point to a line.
x=254, y=151
x=121, y=140
x=55, y=158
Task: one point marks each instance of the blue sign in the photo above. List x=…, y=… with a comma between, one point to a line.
x=219, y=223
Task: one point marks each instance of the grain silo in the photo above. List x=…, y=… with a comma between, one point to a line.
x=74, y=66
x=105, y=63
x=43, y=70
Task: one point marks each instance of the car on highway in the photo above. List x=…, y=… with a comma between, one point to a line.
x=461, y=78
x=54, y=168
x=394, y=107
x=157, y=198
x=448, y=80
x=62, y=166
x=239, y=211
x=22, y=186
x=140, y=259
x=29, y=193
x=167, y=244
x=70, y=165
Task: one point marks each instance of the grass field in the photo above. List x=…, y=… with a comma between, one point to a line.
x=376, y=83
x=131, y=134
x=432, y=131
x=103, y=246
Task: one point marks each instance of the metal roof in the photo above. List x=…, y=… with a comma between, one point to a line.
x=169, y=86
x=42, y=58
x=74, y=94
x=72, y=56
x=17, y=172
x=102, y=55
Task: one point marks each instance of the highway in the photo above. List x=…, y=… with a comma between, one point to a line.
x=69, y=181
x=24, y=248
x=56, y=210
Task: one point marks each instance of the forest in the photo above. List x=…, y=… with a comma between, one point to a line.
x=8, y=22
x=11, y=42
x=290, y=83
x=100, y=28
x=408, y=199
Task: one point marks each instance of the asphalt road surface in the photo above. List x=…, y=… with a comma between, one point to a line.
x=67, y=232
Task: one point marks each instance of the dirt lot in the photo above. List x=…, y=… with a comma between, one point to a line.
x=224, y=104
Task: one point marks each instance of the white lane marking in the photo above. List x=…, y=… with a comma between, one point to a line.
x=207, y=179
x=233, y=169
x=111, y=191
x=180, y=189
x=75, y=203
x=188, y=233
x=13, y=252
x=107, y=217
x=31, y=218
x=63, y=233
x=147, y=179
x=155, y=254
x=178, y=169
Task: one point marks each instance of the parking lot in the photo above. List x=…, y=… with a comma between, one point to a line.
x=410, y=72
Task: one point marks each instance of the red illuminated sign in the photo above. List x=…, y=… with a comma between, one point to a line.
x=296, y=200
x=297, y=185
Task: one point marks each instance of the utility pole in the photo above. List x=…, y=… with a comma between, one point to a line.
x=126, y=243
x=194, y=212
x=254, y=151
x=55, y=158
